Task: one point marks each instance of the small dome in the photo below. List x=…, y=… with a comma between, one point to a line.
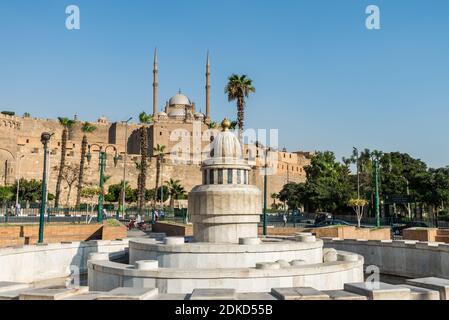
x=199, y=115
x=179, y=99
x=226, y=145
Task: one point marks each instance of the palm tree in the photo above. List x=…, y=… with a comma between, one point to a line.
x=159, y=153
x=175, y=191
x=86, y=128
x=66, y=124
x=239, y=88
x=144, y=119
x=274, y=196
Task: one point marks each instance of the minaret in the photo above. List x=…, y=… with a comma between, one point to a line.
x=155, y=82
x=207, y=87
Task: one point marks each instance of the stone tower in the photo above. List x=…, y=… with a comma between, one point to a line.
x=225, y=208
x=155, y=82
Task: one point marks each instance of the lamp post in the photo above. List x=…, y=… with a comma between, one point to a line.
x=102, y=165
x=265, y=187
x=18, y=183
x=124, y=170
x=376, y=189
x=356, y=152
x=45, y=138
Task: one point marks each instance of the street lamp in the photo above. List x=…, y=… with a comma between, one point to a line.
x=356, y=152
x=375, y=160
x=124, y=170
x=102, y=165
x=45, y=138
x=264, y=221
x=18, y=183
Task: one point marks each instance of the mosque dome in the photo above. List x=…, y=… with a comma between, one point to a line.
x=179, y=99
x=226, y=144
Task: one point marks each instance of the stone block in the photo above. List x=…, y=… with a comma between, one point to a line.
x=347, y=257
x=174, y=241
x=378, y=290
x=249, y=241
x=213, y=294
x=329, y=255
x=146, y=265
x=343, y=295
x=93, y=295
x=417, y=293
x=302, y=293
x=98, y=256
x=129, y=294
x=432, y=283
x=48, y=294
x=305, y=238
x=12, y=286
x=255, y=296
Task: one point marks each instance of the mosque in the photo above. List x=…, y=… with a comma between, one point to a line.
x=180, y=121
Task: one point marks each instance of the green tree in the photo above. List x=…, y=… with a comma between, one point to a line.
x=30, y=190
x=115, y=192
x=6, y=193
x=86, y=128
x=66, y=124
x=159, y=153
x=293, y=194
x=176, y=191
x=239, y=88
x=144, y=119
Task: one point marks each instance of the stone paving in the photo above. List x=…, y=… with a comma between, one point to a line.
x=422, y=289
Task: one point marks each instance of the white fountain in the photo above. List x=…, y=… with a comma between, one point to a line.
x=226, y=252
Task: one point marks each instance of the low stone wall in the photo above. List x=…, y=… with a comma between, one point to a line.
x=173, y=230
x=420, y=234
x=405, y=258
x=351, y=232
x=426, y=234
x=12, y=235
x=42, y=262
x=342, y=232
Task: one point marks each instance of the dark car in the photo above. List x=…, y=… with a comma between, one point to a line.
x=397, y=228
x=333, y=222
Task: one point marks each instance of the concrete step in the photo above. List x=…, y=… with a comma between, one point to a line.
x=344, y=295
x=51, y=293
x=300, y=293
x=417, y=293
x=129, y=294
x=213, y=294
x=438, y=284
x=12, y=286
x=378, y=290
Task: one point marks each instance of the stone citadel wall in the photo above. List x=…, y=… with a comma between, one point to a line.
x=20, y=139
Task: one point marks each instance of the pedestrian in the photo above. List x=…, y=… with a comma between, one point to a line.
x=284, y=218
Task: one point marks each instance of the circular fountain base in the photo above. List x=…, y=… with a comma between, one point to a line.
x=176, y=267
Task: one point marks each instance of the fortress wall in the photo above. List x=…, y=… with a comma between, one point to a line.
x=21, y=136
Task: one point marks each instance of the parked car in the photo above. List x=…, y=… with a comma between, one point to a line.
x=397, y=228
x=333, y=222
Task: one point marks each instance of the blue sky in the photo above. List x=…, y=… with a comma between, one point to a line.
x=322, y=78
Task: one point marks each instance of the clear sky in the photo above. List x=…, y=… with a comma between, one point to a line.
x=322, y=78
